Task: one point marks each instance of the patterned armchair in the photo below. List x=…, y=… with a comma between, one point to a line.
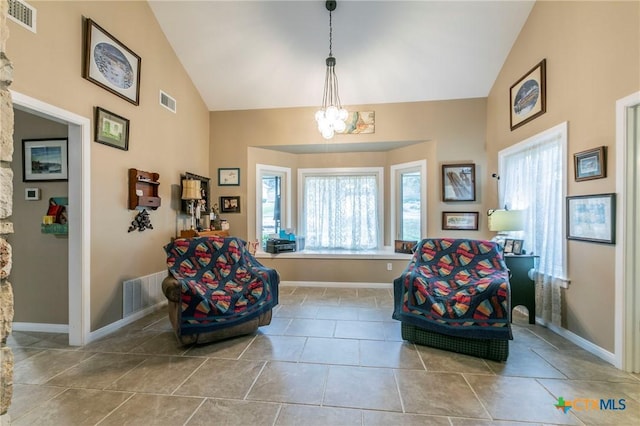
x=217, y=289
x=455, y=295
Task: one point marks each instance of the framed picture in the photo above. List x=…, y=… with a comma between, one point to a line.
x=590, y=164
x=508, y=245
x=592, y=218
x=111, y=129
x=404, y=246
x=460, y=221
x=229, y=176
x=229, y=204
x=528, y=96
x=110, y=64
x=459, y=182
x=517, y=246
x=44, y=160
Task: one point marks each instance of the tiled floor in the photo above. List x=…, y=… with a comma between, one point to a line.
x=330, y=357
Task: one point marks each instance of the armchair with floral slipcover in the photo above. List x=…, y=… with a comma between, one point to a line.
x=217, y=289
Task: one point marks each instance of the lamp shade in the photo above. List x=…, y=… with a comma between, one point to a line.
x=506, y=220
x=191, y=189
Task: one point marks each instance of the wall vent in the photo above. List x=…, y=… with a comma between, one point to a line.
x=168, y=102
x=23, y=14
x=141, y=293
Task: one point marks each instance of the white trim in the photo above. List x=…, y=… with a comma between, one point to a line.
x=334, y=284
x=115, y=326
x=79, y=211
x=588, y=346
x=626, y=334
x=40, y=327
x=343, y=171
x=286, y=196
x=395, y=202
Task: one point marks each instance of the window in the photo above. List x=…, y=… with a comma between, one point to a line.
x=409, y=195
x=341, y=208
x=533, y=179
x=273, y=197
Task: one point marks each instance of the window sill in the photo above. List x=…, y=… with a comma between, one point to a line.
x=386, y=253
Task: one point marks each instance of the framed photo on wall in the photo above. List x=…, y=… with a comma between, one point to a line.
x=230, y=204
x=459, y=182
x=110, y=64
x=590, y=164
x=592, y=218
x=460, y=221
x=529, y=96
x=45, y=160
x=111, y=129
x=229, y=176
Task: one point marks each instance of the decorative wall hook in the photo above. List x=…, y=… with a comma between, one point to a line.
x=141, y=222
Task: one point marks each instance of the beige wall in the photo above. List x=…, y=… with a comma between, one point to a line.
x=592, y=51
x=443, y=132
x=47, y=66
x=40, y=267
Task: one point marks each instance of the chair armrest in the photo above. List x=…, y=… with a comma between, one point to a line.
x=171, y=289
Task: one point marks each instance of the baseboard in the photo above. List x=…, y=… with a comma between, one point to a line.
x=115, y=326
x=588, y=346
x=40, y=327
x=334, y=284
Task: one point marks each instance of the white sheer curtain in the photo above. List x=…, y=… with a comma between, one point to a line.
x=532, y=175
x=341, y=212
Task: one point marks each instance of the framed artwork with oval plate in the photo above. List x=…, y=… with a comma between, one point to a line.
x=110, y=64
x=528, y=96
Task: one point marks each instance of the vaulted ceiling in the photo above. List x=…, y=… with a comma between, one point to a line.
x=271, y=54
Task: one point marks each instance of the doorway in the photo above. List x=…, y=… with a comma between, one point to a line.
x=79, y=165
x=627, y=267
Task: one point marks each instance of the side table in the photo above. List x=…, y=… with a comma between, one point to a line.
x=523, y=290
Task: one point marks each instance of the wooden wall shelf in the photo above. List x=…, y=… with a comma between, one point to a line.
x=143, y=189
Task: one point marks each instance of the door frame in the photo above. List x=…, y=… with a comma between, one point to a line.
x=79, y=210
x=627, y=309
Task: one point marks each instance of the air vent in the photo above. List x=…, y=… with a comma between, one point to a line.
x=168, y=102
x=23, y=14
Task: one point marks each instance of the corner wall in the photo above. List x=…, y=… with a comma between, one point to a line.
x=593, y=59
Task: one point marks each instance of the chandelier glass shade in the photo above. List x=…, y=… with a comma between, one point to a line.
x=331, y=118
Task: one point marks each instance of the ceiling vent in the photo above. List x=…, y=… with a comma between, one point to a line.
x=23, y=14
x=168, y=102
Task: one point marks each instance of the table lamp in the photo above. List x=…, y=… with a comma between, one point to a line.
x=190, y=193
x=504, y=221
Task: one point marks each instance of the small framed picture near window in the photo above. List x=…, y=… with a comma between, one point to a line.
x=229, y=176
x=528, y=96
x=592, y=218
x=459, y=182
x=590, y=164
x=460, y=221
x=110, y=64
x=517, y=246
x=508, y=245
x=111, y=129
x=230, y=204
x=44, y=160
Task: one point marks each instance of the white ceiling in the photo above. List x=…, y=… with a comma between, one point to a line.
x=271, y=54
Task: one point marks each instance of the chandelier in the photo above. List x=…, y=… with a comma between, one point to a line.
x=331, y=118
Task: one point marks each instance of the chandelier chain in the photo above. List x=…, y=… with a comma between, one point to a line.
x=330, y=35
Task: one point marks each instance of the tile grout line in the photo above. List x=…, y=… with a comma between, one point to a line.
x=255, y=380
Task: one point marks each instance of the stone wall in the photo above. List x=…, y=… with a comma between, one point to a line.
x=6, y=226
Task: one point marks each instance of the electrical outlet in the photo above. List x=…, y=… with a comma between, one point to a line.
x=389, y=266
